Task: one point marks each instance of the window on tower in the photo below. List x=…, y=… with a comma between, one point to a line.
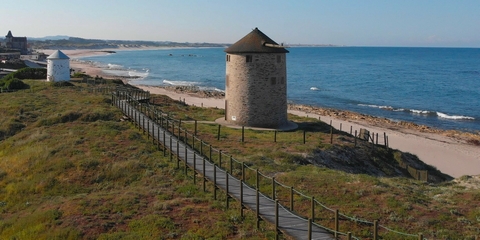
x=228, y=58
x=249, y=58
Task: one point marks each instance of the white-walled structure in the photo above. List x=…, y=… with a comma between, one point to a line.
x=256, y=82
x=58, y=67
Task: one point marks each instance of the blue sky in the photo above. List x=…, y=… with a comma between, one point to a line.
x=424, y=23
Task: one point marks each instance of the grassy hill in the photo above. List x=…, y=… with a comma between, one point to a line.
x=70, y=169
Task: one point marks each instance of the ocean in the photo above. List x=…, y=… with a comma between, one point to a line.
x=437, y=87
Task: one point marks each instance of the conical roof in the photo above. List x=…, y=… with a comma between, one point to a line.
x=255, y=42
x=58, y=55
x=9, y=34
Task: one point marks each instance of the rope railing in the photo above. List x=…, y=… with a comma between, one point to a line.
x=227, y=162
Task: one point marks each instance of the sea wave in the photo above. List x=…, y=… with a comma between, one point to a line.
x=420, y=112
x=180, y=83
x=114, y=66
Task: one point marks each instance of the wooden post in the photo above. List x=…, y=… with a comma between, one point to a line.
x=291, y=199
x=148, y=128
x=186, y=137
x=304, y=136
x=194, y=168
x=185, y=161
x=273, y=188
x=241, y=198
x=243, y=171
x=375, y=230
x=309, y=229
x=275, y=136
x=214, y=181
x=349, y=236
x=201, y=148
x=226, y=189
x=420, y=236
x=340, y=126
x=178, y=154
x=164, y=144
x=218, y=132
x=171, y=149
x=385, y=139
x=158, y=138
x=195, y=128
x=257, y=209
x=376, y=139
x=351, y=127
x=204, y=175
x=257, y=180
x=276, y=219
x=336, y=223
x=179, y=129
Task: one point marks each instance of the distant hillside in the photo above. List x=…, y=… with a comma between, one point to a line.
x=75, y=43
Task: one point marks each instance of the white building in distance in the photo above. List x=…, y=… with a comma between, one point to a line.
x=58, y=67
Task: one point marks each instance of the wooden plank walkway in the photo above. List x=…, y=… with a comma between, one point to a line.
x=288, y=222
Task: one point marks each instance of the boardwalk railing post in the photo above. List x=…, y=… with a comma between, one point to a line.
x=257, y=210
x=195, y=128
x=273, y=188
x=336, y=223
x=194, y=168
x=218, y=132
x=420, y=236
x=185, y=161
x=276, y=219
x=291, y=199
x=331, y=135
x=231, y=164
x=304, y=136
x=257, y=180
x=351, y=128
x=204, y=175
x=201, y=148
x=375, y=230
x=148, y=128
x=275, y=136
x=243, y=171
x=178, y=154
x=164, y=144
x=309, y=237
x=171, y=149
x=349, y=236
x=385, y=139
x=241, y=199
x=214, y=181
x=226, y=189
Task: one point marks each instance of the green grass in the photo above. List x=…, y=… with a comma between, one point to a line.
x=397, y=201
x=70, y=169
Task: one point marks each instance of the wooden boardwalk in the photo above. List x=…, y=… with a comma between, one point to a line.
x=287, y=222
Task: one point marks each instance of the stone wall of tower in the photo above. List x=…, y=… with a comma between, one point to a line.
x=58, y=70
x=256, y=91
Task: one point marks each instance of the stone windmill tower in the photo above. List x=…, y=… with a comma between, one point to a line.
x=58, y=67
x=256, y=82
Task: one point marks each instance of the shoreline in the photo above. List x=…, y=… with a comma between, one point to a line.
x=448, y=150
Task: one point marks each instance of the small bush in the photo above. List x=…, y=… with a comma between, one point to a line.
x=13, y=84
x=28, y=73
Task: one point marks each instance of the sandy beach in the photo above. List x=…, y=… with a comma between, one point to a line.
x=448, y=151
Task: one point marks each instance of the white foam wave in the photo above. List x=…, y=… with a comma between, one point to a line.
x=377, y=106
x=443, y=115
x=138, y=74
x=179, y=83
x=421, y=112
x=314, y=88
x=114, y=66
